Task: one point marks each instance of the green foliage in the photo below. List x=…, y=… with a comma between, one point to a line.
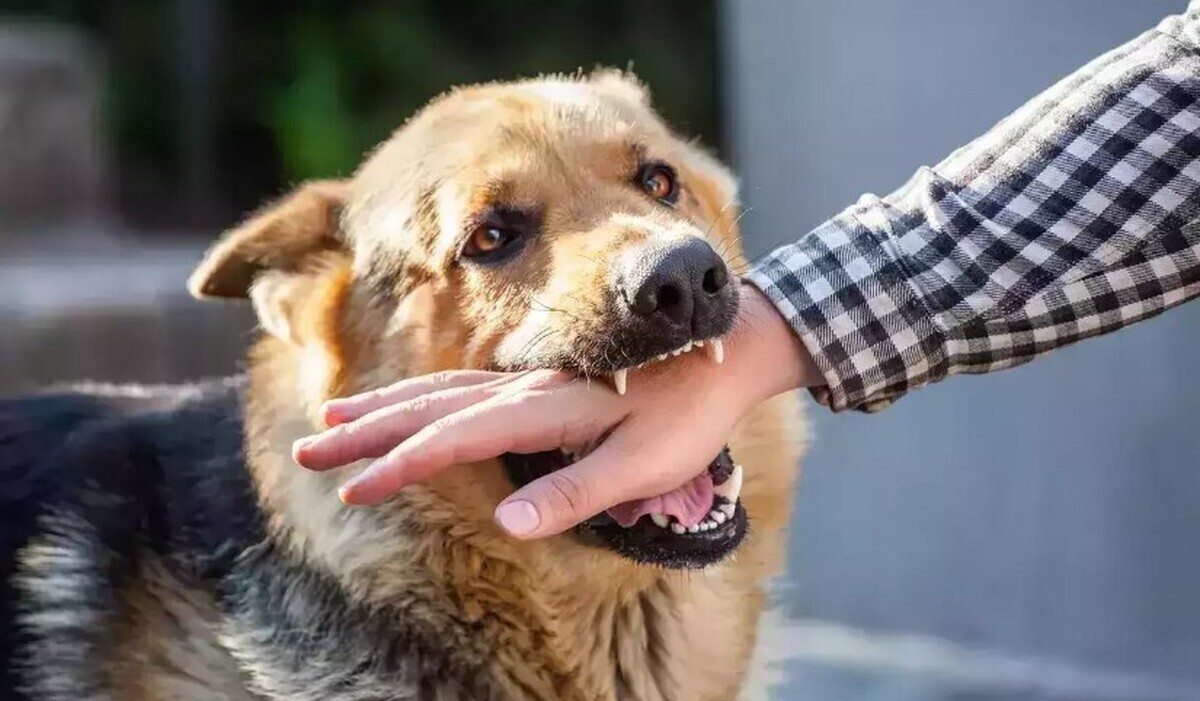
x=301, y=90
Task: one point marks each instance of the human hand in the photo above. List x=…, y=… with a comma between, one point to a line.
x=674, y=418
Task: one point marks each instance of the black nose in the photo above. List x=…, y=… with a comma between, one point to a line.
x=681, y=282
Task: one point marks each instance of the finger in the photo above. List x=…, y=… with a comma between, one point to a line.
x=345, y=409
x=527, y=422
x=608, y=476
x=374, y=434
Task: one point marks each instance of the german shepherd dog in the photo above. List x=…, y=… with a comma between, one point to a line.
x=159, y=543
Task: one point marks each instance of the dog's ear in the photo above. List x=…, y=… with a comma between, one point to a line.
x=278, y=237
x=264, y=257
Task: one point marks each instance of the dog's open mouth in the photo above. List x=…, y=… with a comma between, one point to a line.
x=707, y=503
x=693, y=526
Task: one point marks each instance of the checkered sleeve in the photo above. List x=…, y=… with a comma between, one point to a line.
x=1077, y=215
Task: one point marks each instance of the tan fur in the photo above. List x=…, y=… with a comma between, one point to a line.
x=169, y=646
x=557, y=620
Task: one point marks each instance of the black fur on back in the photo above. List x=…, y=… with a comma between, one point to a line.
x=157, y=468
x=132, y=473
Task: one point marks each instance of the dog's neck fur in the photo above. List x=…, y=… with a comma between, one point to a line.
x=561, y=620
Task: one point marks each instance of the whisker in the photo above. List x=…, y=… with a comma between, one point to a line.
x=713, y=223
x=532, y=344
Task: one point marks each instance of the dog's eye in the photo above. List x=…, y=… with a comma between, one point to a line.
x=659, y=181
x=486, y=240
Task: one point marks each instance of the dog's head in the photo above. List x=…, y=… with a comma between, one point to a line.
x=547, y=223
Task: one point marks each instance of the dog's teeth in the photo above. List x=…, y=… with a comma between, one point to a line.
x=660, y=520
x=727, y=509
x=717, y=515
x=620, y=380
x=716, y=351
x=698, y=344
x=693, y=529
x=732, y=487
x=677, y=528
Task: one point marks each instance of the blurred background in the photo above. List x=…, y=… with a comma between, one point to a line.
x=1029, y=535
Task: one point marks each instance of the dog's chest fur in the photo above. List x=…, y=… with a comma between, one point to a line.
x=156, y=574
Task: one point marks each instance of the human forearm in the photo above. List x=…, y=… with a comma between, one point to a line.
x=1068, y=219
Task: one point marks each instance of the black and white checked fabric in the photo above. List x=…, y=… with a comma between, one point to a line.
x=1077, y=215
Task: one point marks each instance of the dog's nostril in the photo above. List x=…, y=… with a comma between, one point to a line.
x=715, y=279
x=669, y=296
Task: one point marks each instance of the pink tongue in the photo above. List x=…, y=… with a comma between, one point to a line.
x=689, y=504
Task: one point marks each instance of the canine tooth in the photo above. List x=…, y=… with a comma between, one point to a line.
x=727, y=509
x=693, y=529
x=677, y=528
x=660, y=520
x=732, y=487
x=620, y=378
x=716, y=351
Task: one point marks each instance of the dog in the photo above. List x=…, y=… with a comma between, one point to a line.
x=159, y=543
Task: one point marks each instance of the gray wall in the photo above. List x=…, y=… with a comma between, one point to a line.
x=1051, y=510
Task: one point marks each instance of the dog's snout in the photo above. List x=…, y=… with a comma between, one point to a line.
x=680, y=283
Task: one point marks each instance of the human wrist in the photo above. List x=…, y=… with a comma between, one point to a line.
x=767, y=347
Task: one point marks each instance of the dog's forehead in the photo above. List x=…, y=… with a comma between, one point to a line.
x=530, y=133
x=475, y=127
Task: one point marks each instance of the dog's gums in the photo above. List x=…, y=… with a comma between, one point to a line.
x=713, y=347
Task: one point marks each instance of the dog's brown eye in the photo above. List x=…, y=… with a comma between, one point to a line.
x=659, y=182
x=488, y=239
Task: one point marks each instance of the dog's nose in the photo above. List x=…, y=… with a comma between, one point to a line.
x=680, y=282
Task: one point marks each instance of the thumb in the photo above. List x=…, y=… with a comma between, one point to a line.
x=610, y=475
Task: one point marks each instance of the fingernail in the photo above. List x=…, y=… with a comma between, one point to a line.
x=302, y=443
x=518, y=517
x=329, y=414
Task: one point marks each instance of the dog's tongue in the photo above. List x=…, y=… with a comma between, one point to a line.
x=689, y=504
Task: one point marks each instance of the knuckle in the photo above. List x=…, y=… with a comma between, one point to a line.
x=442, y=377
x=443, y=424
x=541, y=380
x=556, y=378
x=418, y=406
x=567, y=495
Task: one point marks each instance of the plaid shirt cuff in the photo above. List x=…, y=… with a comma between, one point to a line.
x=1077, y=215
x=856, y=310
